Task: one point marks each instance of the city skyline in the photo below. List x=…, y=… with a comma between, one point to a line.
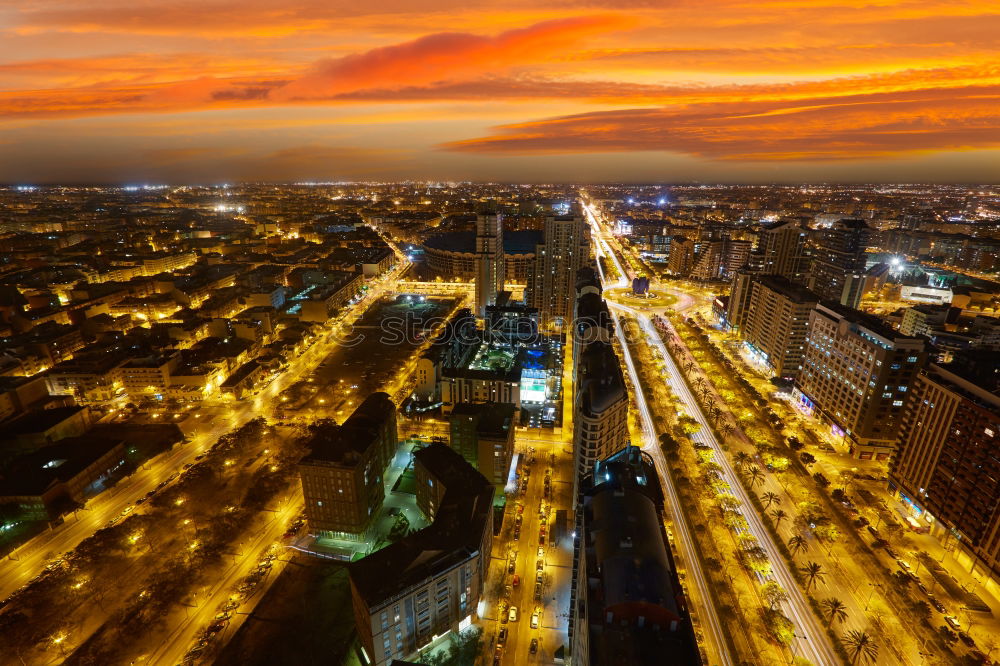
x=173, y=93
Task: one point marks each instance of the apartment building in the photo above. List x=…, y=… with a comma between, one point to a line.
x=149, y=376
x=430, y=582
x=838, y=270
x=342, y=475
x=489, y=260
x=856, y=373
x=775, y=328
x=946, y=467
x=483, y=433
x=681, y=259
x=565, y=249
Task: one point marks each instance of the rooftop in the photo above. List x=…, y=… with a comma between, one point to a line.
x=514, y=242
x=40, y=421
x=494, y=418
x=347, y=444
x=34, y=473
x=793, y=290
x=601, y=383
x=455, y=535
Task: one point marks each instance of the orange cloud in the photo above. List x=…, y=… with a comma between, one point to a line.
x=729, y=80
x=433, y=58
x=448, y=57
x=873, y=125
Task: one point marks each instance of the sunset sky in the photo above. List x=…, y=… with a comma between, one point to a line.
x=208, y=91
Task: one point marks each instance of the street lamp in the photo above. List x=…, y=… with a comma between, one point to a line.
x=870, y=594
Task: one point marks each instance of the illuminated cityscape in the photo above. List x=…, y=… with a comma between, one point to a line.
x=543, y=333
x=296, y=402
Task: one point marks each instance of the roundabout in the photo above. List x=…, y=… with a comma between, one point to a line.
x=625, y=296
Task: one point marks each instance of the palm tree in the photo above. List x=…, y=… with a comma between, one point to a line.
x=727, y=429
x=769, y=498
x=779, y=516
x=797, y=543
x=859, y=644
x=812, y=573
x=755, y=476
x=741, y=459
x=834, y=609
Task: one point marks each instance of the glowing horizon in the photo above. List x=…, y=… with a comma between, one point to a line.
x=723, y=91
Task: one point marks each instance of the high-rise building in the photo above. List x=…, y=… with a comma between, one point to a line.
x=627, y=605
x=720, y=259
x=838, y=269
x=776, y=323
x=600, y=414
x=600, y=417
x=557, y=261
x=484, y=434
x=342, y=475
x=781, y=250
x=489, y=259
x=681, y=259
x=431, y=581
x=947, y=467
x=856, y=371
x=740, y=291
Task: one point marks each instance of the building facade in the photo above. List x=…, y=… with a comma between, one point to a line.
x=484, y=435
x=947, y=467
x=838, y=269
x=489, y=260
x=430, y=582
x=565, y=248
x=776, y=323
x=681, y=259
x=341, y=477
x=856, y=372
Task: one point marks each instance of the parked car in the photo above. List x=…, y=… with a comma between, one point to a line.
x=534, y=646
x=502, y=636
x=534, y=620
x=966, y=638
x=953, y=622
x=512, y=614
